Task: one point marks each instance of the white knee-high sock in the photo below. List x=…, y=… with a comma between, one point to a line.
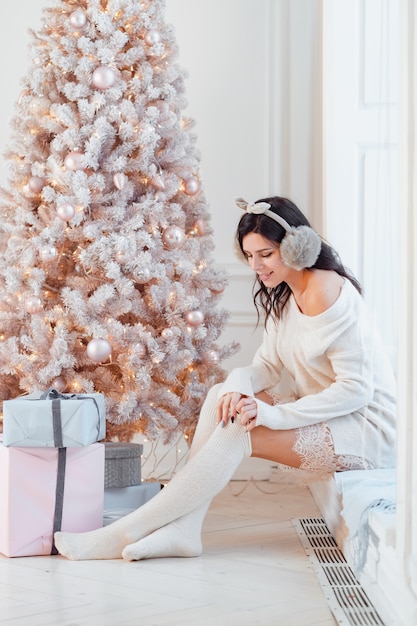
x=198, y=481
x=182, y=537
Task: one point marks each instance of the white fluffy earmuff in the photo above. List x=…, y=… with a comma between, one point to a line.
x=300, y=246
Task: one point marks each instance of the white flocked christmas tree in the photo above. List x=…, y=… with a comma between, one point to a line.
x=107, y=276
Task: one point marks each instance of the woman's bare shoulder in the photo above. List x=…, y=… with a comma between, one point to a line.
x=323, y=290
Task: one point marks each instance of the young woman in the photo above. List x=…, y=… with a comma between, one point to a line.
x=342, y=415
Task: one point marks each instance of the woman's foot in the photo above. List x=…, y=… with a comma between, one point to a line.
x=177, y=539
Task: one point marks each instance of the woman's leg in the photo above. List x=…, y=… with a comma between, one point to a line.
x=182, y=537
x=309, y=448
x=194, y=485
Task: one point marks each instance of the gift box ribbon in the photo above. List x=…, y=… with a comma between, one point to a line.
x=56, y=397
x=59, y=495
x=62, y=460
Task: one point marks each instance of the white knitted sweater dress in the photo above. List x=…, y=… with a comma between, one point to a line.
x=341, y=374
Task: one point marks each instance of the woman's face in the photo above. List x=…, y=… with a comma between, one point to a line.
x=264, y=258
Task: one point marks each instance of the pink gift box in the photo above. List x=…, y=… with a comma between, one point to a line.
x=28, y=496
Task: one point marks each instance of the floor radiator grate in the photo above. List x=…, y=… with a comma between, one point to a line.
x=346, y=598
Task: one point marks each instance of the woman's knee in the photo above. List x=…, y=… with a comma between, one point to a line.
x=213, y=394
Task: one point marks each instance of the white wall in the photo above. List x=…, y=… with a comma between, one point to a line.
x=254, y=92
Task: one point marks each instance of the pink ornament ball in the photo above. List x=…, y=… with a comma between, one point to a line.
x=211, y=357
x=167, y=334
x=98, y=350
x=152, y=37
x=33, y=304
x=59, y=383
x=122, y=256
x=78, y=19
x=142, y=276
x=173, y=237
x=119, y=180
x=140, y=350
x=74, y=161
x=191, y=186
x=194, y=318
x=36, y=184
x=104, y=77
x=48, y=253
x=65, y=211
x=39, y=105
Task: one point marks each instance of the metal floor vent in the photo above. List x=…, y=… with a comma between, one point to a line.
x=346, y=598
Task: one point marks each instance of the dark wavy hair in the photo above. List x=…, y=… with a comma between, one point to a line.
x=273, y=300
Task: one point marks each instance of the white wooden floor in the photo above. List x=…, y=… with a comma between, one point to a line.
x=253, y=571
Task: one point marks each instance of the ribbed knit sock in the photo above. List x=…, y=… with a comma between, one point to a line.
x=182, y=537
x=205, y=475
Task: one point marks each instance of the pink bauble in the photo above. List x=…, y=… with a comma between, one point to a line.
x=74, y=161
x=39, y=106
x=48, y=253
x=139, y=349
x=173, y=237
x=121, y=256
x=119, y=180
x=59, y=383
x=167, y=334
x=78, y=19
x=211, y=357
x=217, y=289
x=33, y=304
x=152, y=37
x=36, y=184
x=98, y=350
x=142, y=275
x=191, y=186
x=194, y=318
x=65, y=211
x=104, y=77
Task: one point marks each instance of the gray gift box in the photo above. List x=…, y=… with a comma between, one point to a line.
x=54, y=420
x=122, y=464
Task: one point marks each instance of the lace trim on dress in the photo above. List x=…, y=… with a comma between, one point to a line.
x=314, y=445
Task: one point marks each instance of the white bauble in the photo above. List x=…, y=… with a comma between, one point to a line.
x=48, y=253
x=104, y=77
x=65, y=211
x=152, y=37
x=98, y=350
x=33, y=304
x=78, y=19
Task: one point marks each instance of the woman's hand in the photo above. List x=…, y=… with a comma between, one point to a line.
x=226, y=409
x=248, y=411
